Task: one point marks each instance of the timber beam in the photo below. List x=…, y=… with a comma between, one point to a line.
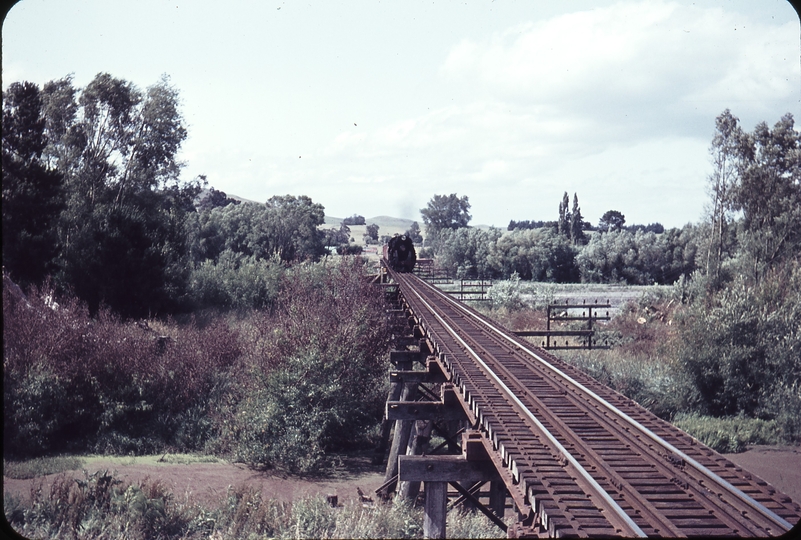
x=397, y=357
x=415, y=377
x=445, y=469
x=422, y=410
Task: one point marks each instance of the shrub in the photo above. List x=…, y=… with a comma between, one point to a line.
x=506, y=294
x=730, y=435
x=75, y=383
x=316, y=369
x=236, y=281
x=741, y=345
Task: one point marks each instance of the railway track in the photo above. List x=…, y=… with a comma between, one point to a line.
x=582, y=459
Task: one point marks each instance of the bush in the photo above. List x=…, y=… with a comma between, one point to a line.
x=74, y=383
x=741, y=346
x=506, y=294
x=236, y=281
x=730, y=435
x=316, y=372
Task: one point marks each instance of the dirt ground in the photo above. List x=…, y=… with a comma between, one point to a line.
x=780, y=466
x=207, y=483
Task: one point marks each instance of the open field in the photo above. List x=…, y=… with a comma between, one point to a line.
x=205, y=479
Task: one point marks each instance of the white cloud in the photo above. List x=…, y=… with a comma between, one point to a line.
x=634, y=58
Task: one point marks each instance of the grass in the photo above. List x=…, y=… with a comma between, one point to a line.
x=43, y=466
x=33, y=468
x=730, y=435
x=103, y=506
x=153, y=459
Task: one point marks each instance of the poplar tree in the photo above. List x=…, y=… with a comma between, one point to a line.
x=577, y=235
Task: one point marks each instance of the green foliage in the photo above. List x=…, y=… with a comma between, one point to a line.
x=612, y=220
x=462, y=524
x=103, y=506
x=445, y=212
x=213, y=198
x=730, y=434
x=641, y=258
x=349, y=249
x=284, y=227
x=121, y=234
x=742, y=344
x=506, y=294
x=414, y=233
x=355, y=219
x=310, y=393
x=236, y=281
x=538, y=254
x=73, y=383
x=769, y=193
x=33, y=468
x=32, y=191
x=465, y=252
x=652, y=380
x=371, y=234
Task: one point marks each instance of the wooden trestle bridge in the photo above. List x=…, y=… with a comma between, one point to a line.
x=540, y=447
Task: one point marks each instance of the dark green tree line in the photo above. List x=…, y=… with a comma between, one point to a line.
x=33, y=195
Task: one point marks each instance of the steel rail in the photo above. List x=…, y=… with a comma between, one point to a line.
x=722, y=482
x=633, y=528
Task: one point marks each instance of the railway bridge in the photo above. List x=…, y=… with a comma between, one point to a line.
x=541, y=448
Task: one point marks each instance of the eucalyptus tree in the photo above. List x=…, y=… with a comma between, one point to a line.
x=769, y=195
x=122, y=231
x=727, y=148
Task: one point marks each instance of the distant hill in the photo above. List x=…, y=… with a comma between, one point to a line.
x=383, y=222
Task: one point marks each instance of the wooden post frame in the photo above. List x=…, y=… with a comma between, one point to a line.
x=435, y=508
x=436, y=472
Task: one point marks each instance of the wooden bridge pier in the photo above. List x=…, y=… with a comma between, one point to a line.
x=413, y=412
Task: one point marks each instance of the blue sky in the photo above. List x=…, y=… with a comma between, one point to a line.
x=373, y=107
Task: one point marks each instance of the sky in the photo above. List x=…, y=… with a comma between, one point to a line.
x=373, y=107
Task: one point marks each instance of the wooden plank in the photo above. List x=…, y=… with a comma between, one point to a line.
x=396, y=357
x=435, y=509
x=416, y=376
x=445, y=469
x=422, y=410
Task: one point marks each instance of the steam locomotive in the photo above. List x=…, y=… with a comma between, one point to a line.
x=399, y=253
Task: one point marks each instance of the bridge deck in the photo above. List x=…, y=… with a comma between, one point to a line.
x=577, y=457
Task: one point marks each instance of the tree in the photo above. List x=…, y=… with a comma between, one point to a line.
x=355, y=219
x=612, y=220
x=213, y=198
x=371, y=234
x=414, y=233
x=122, y=233
x=769, y=195
x=446, y=212
x=465, y=252
x=726, y=149
x=563, y=222
x=577, y=235
x=32, y=191
x=294, y=222
x=540, y=254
